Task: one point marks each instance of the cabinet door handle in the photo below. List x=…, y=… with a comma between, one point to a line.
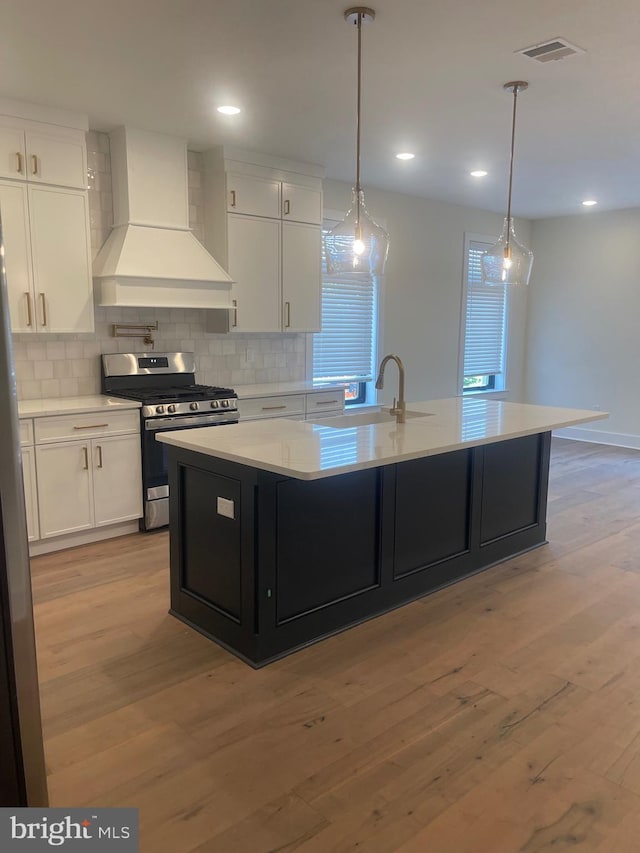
x=99, y=449
x=272, y=408
x=43, y=303
x=234, y=302
x=86, y=459
x=287, y=314
x=233, y=198
x=91, y=426
x=287, y=207
x=29, y=311
x=19, y=164
x=34, y=164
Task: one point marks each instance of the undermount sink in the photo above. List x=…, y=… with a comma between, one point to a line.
x=366, y=418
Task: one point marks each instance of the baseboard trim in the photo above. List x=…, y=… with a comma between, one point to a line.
x=596, y=436
x=46, y=546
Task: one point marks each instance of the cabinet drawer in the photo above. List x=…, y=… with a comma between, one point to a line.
x=86, y=425
x=326, y=401
x=26, y=432
x=271, y=407
x=253, y=196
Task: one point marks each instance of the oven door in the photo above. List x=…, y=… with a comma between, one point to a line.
x=155, y=471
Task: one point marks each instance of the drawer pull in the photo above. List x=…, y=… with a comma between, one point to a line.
x=326, y=402
x=91, y=426
x=86, y=459
x=19, y=162
x=272, y=408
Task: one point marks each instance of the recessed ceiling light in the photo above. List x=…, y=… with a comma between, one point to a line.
x=589, y=202
x=405, y=155
x=478, y=173
x=229, y=111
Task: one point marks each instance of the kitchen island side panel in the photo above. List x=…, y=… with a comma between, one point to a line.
x=213, y=577
x=315, y=557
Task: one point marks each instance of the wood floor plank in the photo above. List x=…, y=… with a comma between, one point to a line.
x=495, y=716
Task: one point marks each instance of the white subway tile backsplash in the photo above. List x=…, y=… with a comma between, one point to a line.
x=55, y=350
x=69, y=365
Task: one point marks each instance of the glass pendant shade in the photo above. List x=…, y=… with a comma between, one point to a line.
x=358, y=243
x=507, y=261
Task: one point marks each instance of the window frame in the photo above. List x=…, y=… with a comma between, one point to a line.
x=368, y=396
x=496, y=382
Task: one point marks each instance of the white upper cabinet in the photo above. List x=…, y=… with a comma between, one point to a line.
x=14, y=209
x=61, y=259
x=253, y=196
x=263, y=220
x=57, y=158
x=254, y=265
x=301, y=204
x=41, y=153
x=45, y=218
x=13, y=155
x=301, y=277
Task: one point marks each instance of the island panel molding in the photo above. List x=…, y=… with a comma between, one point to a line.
x=284, y=532
x=304, y=559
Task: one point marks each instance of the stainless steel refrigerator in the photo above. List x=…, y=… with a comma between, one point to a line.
x=22, y=768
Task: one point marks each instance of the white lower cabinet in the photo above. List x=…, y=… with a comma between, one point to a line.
x=85, y=484
x=296, y=407
x=64, y=488
x=88, y=482
x=116, y=479
x=29, y=479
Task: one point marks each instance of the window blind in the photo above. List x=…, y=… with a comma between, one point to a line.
x=344, y=349
x=486, y=314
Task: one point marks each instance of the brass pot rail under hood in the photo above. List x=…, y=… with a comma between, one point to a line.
x=151, y=258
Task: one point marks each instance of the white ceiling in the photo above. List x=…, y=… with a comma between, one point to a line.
x=433, y=74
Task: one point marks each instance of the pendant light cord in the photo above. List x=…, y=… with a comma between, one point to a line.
x=513, y=145
x=358, y=120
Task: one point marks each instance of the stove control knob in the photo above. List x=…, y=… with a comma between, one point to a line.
x=225, y=404
x=171, y=409
x=214, y=404
x=159, y=410
x=194, y=407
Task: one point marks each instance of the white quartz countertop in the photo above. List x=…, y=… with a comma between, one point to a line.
x=274, y=389
x=72, y=405
x=309, y=451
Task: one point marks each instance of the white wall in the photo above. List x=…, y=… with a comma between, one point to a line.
x=423, y=287
x=584, y=320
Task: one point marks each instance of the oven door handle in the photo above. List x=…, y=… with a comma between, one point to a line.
x=155, y=424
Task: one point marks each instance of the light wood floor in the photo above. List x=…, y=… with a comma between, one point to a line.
x=499, y=715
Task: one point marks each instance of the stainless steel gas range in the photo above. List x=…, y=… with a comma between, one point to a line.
x=164, y=382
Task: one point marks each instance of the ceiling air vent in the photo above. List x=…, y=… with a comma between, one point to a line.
x=557, y=48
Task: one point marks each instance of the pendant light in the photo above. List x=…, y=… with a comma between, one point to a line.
x=508, y=261
x=358, y=243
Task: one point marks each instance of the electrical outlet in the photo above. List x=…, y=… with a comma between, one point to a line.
x=226, y=508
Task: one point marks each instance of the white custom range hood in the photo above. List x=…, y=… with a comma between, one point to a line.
x=151, y=258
